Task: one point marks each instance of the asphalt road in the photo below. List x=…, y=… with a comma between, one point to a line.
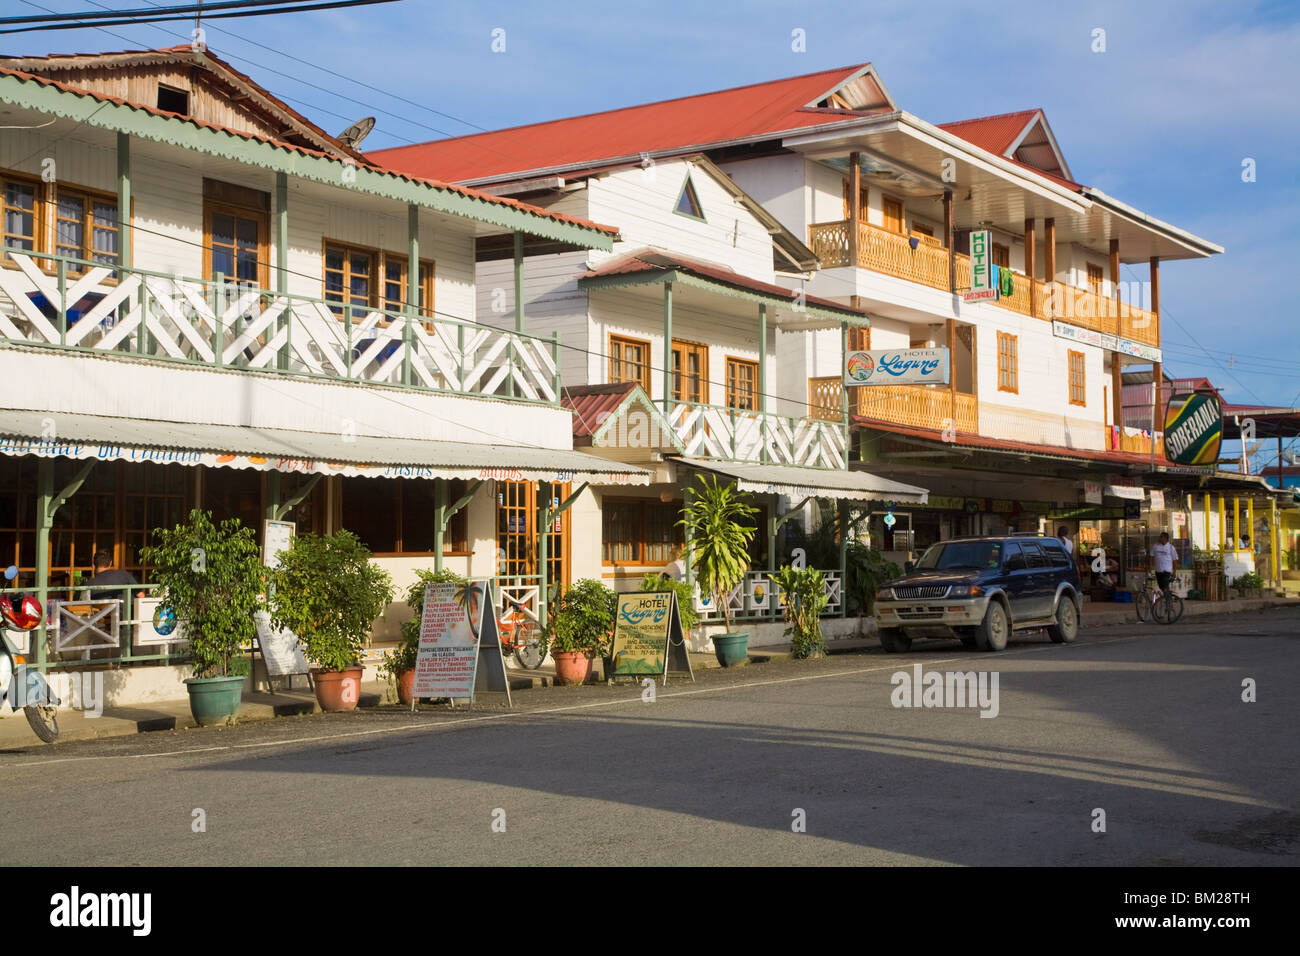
x=1145, y=724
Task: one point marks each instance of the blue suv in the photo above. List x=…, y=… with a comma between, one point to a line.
x=980, y=590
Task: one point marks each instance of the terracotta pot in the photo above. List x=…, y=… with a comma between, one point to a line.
x=405, y=687
x=337, y=691
x=571, y=667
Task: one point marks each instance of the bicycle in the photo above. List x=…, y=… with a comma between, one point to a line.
x=1154, y=603
x=521, y=633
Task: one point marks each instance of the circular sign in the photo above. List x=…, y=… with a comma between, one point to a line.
x=890, y=520
x=1193, y=429
x=860, y=366
x=164, y=620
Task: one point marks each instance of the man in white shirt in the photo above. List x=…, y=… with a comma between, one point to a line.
x=1163, y=558
x=1064, y=534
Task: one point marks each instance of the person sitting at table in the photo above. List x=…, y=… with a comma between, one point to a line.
x=107, y=576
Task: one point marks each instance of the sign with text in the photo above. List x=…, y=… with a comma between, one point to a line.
x=896, y=367
x=1104, y=340
x=648, y=636
x=458, y=633
x=281, y=650
x=277, y=536
x=1193, y=429
x=982, y=284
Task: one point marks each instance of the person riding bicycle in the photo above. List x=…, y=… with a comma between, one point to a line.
x=1164, y=556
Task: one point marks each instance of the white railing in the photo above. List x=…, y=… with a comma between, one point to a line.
x=730, y=434
x=756, y=598
x=89, y=307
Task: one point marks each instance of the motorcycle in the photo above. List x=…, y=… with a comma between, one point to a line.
x=21, y=686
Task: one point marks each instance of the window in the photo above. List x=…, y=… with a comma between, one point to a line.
x=395, y=516
x=742, y=384
x=639, y=531
x=19, y=227
x=350, y=280
x=1096, y=279
x=862, y=201
x=629, y=361
x=690, y=372
x=394, y=293
x=236, y=229
x=892, y=210
x=85, y=226
x=1008, y=363
x=688, y=202
x=1078, y=395
x=921, y=229
x=1034, y=554
x=173, y=100
x=1001, y=256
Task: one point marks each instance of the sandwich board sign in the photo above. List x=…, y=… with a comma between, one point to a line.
x=648, y=636
x=460, y=651
x=281, y=650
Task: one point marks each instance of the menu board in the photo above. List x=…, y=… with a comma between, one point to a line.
x=448, y=654
x=281, y=649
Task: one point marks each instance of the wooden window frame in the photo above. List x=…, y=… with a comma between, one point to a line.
x=1009, y=376
x=732, y=383
x=213, y=208
x=902, y=214
x=686, y=347
x=1094, y=279
x=642, y=544
x=689, y=185
x=622, y=340
x=452, y=545
x=39, y=239
x=376, y=298
x=45, y=219
x=1077, y=359
x=999, y=252
x=89, y=197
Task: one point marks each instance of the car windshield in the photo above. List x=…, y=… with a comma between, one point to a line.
x=961, y=554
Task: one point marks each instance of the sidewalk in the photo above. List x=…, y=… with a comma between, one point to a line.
x=1103, y=613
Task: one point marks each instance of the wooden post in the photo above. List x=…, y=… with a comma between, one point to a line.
x=1049, y=256
x=1116, y=362
x=952, y=372
x=668, y=347
x=412, y=288
x=1114, y=283
x=947, y=241
x=762, y=382
x=855, y=205
x=1031, y=263
x=282, y=258
x=1155, y=295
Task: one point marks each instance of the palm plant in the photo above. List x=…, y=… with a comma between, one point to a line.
x=714, y=518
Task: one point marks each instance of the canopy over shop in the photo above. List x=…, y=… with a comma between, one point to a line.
x=308, y=456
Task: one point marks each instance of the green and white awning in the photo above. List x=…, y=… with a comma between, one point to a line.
x=797, y=482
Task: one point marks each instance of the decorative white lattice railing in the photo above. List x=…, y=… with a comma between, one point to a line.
x=730, y=434
x=90, y=307
x=757, y=598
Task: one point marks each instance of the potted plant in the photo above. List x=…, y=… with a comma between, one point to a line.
x=329, y=594
x=719, y=543
x=211, y=578
x=805, y=599
x=580, y=628
x=399, y=664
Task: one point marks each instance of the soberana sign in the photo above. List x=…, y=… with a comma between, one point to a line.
x=1193, y=429
x=896, y=367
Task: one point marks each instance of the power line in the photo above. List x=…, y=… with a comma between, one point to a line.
x=188, y=9
x=305, y=7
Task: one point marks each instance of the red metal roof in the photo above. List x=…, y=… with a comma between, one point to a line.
x=650, y=260
x=377, y=167
x=993, y=133
x=592, y=404
x=687, y=122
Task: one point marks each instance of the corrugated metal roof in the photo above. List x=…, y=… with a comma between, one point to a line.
x=820, y=483
x=592, y=404
x=682, y=123
x=89, y=436
x=993, y=133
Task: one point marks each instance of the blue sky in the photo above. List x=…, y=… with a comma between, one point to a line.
x=1162, y=120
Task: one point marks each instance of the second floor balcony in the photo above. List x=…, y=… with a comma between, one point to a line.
x=924, y=260
x=57, y=302
x=737, y=434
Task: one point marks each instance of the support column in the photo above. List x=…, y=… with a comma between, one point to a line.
x=762, y=382
x=282, y=260
x=842, y=507
x=412, y=288
x=1157, y=368
x=272, y=502
x=124, y=238
x=1250, y=525
x=1117, y=363
x=439, y=520
x=1205, y=508
x=1049, y=258
x=1031, y=263
x=668, y=348
x=844, y=389
x=855, y=205
x=1274, y=534
x=44, y=520
x=1236, y=523
x=1223, y=525
x=952, y=371
x=519, y=281
x=543, y=544
x=947, y=241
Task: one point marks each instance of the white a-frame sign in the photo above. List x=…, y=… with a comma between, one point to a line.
x=648, y=636
x=460, y=651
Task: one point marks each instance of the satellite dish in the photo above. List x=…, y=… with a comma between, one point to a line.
x=354, y=134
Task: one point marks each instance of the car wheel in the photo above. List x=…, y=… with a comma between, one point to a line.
x=1066, y=628
x=894, y=641
x=992, y=633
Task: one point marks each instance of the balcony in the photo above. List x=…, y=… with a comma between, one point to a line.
x=920, y=406
x=732, y=434
x=890, y=253
x=86, y=307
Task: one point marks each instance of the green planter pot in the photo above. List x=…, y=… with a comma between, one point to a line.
x=213, y=700
x=732, y=650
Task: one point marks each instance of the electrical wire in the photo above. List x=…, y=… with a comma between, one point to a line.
x=305, y=7
x=187, y=9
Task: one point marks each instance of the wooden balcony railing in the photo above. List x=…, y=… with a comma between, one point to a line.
x=921, y=406
x=825, y=401
x=890, y=253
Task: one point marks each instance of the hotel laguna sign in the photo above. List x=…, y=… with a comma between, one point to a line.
x=1193, y=429
x=982, y=271
x=896, y=367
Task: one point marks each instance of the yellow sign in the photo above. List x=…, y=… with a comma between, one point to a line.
x=647, y=634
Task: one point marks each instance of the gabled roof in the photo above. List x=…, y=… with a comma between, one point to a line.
x=386, y=181
x=757, y=111
x=298, y=128
x=599, y=413
x=1024, y=137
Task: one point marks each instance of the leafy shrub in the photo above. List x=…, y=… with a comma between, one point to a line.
x=805, y=599
x=1250, y=581
x=328, y=593
x=211, y=578
x=685, y=596
x=719, y=541
x=581, y=619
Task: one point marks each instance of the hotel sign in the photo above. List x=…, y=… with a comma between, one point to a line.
x=1193, y=429
x=983, y=284
x=896, y=367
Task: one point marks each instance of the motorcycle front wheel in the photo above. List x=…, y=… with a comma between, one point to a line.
x=43, y=721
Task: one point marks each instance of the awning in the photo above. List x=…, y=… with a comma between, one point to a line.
x=106, y=438
x=815, y=482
